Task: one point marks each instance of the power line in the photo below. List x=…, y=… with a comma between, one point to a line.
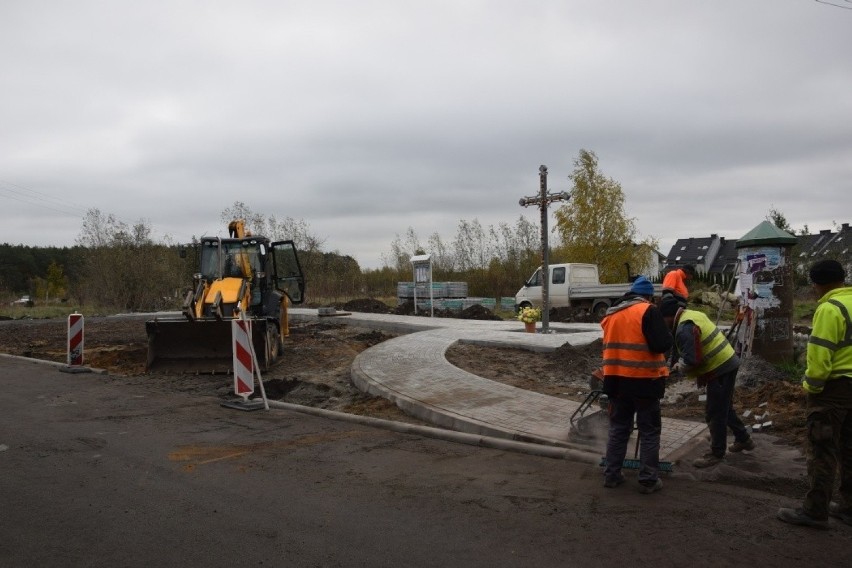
x=837, y=5
x=39, y=199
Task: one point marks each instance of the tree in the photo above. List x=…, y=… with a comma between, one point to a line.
x=402, y=251
x=779, y=220
x=593, y=225
x=472, y=248
x=54, y=286
x=494, y=261
x=123, y=267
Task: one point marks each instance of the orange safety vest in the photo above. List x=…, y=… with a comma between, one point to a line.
x=625, y=349
x=676, y=281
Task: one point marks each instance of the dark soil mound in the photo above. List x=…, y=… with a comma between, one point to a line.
x=478, y=312
x=584, y=359
x=372, y=337
x=572, y=315
x=475, y=312
x=405, y=309
x=367, y=306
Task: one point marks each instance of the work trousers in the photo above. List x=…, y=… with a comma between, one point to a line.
x=829, y=427
x=622, y=410
x=720, y=415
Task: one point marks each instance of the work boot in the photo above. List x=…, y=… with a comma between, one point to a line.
x=736, y=447
x=799, y=517
x=652, y=488
x=614, y=482
x=844, y=515
x=707, y=460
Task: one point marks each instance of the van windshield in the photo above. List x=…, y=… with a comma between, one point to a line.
x=535, y=279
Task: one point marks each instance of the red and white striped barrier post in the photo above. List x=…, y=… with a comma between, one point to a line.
x=243, y=360
x=245, y=364
x=75, y=339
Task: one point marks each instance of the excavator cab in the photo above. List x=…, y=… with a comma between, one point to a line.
x=239, y=277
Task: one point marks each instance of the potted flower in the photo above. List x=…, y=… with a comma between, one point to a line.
x=529, y=316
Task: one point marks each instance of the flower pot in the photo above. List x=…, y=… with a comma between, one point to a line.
x=529, y=327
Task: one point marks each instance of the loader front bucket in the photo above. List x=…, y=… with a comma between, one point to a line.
x=198, y=347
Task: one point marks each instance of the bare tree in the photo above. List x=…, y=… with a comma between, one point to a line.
x=123, y=267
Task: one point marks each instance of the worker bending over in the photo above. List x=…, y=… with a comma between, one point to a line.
x=701, y=351
x=674, y=282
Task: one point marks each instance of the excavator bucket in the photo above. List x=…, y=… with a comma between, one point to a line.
x=200, y=346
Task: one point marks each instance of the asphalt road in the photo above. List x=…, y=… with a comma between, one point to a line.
x=94, y=472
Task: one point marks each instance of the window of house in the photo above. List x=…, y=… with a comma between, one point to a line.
x=700, y=256
x=677, y=259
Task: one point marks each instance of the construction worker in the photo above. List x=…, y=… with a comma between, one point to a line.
x=674, y=281
x=828, y=384
x=701, y=351
x=635, y=340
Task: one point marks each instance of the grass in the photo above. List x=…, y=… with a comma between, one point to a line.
x=803, y=310
x=49, y=311
x=793, y=370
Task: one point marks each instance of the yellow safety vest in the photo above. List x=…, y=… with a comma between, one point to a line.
x=830, y=343
x=715, y=349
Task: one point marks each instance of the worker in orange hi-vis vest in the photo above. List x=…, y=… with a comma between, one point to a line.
x=635, y=341
x=674, y=281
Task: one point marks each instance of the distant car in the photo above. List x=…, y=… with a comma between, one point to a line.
x=24, y=301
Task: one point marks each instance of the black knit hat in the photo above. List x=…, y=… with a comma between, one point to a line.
x=827, y=272
x=670, y=304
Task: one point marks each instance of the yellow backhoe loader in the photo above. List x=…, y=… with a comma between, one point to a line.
x=241, y=276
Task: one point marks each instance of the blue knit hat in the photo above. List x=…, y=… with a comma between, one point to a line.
x=642, y=286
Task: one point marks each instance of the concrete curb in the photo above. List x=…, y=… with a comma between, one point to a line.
x=444, y=418
x=63, y=367
x=447, y=435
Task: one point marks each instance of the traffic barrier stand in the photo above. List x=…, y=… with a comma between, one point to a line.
x=74, y=361
x=245, y=368
x=75, y=339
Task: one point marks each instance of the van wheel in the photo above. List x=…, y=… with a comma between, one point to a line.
x=599, y=310
x=524, y=305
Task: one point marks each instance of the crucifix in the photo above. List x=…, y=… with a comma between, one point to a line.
x=543, y=200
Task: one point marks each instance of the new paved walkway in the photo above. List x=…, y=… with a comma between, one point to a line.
x=412, y=371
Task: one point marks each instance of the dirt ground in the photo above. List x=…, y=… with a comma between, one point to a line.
x=315, y=371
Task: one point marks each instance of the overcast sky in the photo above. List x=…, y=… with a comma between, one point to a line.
x=365, y=118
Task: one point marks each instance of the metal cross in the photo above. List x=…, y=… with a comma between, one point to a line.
x=543, y=200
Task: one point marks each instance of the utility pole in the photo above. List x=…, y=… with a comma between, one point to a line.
x=543, y=200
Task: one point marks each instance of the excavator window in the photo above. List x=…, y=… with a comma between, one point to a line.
x=232, y=267
x=288, y=272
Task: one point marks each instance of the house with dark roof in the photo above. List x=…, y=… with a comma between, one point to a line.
x=825, y=244
x=701, y=252
x=718, y=255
